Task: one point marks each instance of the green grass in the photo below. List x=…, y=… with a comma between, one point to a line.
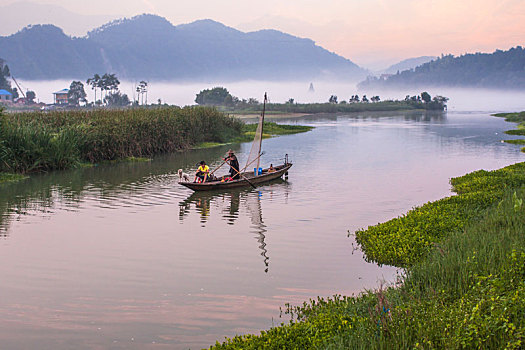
x=516, y=142
x=520, y=128
x=273, y=129
x=464, y=282
x=203, y=145
x=39, y=142
x=8, y=177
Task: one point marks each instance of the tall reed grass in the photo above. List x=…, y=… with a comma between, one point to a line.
x=37, y=141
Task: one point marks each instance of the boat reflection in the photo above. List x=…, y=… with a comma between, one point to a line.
x=230, y=203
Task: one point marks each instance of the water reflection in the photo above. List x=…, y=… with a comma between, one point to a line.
x=228, y=204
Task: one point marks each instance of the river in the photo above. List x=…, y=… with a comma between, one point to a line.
x=121, y=257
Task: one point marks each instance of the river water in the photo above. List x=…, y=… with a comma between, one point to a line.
x=122, y=257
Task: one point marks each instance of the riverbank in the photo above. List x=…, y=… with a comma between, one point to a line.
x=463, y=284
x=518, y=118
x=40, y=142
x=280, y=109
x=270, y=129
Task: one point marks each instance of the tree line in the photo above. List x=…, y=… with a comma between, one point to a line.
x=500, y=69
x=220, y=96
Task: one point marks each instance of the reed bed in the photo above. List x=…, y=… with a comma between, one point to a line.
x=34, y=141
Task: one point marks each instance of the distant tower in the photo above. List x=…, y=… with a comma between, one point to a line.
x=311, y=88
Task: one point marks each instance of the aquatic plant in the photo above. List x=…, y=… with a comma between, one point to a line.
x=520, y=131
x=405, y=240
x=464, y=290
x=38, y=141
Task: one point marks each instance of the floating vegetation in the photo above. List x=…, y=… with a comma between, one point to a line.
x=463, y=286
x=520, y=128
x=8, y=177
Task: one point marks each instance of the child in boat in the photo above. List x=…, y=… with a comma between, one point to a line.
x=202, y=172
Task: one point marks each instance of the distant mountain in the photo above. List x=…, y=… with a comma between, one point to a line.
x=17, y=15
x=150, y=47
x=501, y=69
x=409, y=63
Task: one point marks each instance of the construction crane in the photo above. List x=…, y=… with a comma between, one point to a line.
x=19, y=88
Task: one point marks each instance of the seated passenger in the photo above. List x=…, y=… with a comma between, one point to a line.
x=202, y=172
x=271, y=169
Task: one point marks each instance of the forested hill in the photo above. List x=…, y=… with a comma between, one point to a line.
x=501, y=69
x=150, y=47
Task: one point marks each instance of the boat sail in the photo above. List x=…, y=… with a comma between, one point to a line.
x=247, y=178
x=255, y=151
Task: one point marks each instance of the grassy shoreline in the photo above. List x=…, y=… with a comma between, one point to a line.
x=463, y=288
x=315, y=108
x=463, y=285
x=35, y=142
x=518, y=118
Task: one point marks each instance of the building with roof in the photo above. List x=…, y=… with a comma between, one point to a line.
x=5, y=96
x=60, y=97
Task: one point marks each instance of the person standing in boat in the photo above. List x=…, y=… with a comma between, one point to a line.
x=234, y=165
x=202, y=172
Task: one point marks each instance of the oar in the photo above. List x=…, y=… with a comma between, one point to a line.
x=241, y=175
x=217, y=168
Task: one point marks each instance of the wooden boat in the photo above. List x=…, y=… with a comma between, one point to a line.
x=247, y=178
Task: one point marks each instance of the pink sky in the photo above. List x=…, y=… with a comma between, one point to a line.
x=372, y=33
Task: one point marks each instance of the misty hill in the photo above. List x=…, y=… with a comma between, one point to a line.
x=150, y=47
x=409, y=63
x=19, y=14
x=501, y=69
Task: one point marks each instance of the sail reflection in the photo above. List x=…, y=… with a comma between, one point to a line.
x=231, y=203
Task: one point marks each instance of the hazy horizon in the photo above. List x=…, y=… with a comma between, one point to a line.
x=183, y=93
x=373, y=34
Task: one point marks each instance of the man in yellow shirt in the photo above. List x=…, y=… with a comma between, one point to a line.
x=202, y=172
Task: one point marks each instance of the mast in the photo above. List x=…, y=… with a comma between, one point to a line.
x=262, y=131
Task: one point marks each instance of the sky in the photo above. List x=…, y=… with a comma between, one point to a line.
x=371, y=33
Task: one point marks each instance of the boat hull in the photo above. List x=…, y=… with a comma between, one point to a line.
x=255, y=180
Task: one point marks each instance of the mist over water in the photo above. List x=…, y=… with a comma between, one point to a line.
x=183, y=93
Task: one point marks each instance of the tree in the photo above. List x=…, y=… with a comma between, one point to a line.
x=253, y=101
x=438, y=103
x=116, y=99
x=425, y=96
x=291, y=101
x=215, y=97
x=364, y=99
x=333, y=99
x=30, y=97
x=76, y=93
x=4, y=74
x=142, y=89
x=109, y=84
x=375, y=99
x=94, y=83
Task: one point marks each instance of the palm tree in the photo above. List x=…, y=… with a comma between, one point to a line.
x=95, y=83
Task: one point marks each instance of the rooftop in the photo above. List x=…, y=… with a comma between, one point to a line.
x=5, y=92
x=63, y=91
